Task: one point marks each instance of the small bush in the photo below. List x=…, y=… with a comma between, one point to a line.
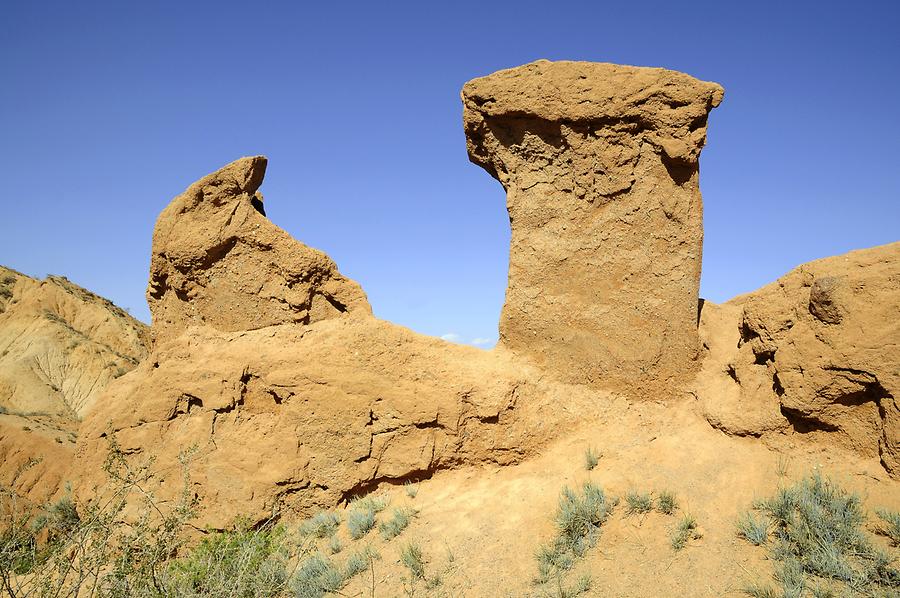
x=241, y=562
x=360, y=522
x=578, y=521
x=891, y=525
x=591, y=459
x=394, y=527
x=755, y=531
x=412, y=558
x=323, y=524
x=316, y=576
x=359, y=561
x=684, y=531
x=666, y=503
x=411, y=489
x=817, y=530
x=372, y=502
x=335, y=545
x=637, y=503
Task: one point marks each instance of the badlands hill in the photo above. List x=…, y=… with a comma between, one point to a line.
x=60, y=346
x=267, y=365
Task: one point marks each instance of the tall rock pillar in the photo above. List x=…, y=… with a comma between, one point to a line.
x=600, y=166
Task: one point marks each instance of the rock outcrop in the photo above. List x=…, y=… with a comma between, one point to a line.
x=293, y=405
x=816, y=352
x=217, y=260
x=269, y=365
x=600, y=167
x=60, y=345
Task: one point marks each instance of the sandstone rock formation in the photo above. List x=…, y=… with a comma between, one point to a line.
x=217, y=260
x=292, y=394
x=270, y=366
x=60, y=345
x=817, y=352
x=600, y=166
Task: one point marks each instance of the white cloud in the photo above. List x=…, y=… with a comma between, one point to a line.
x=482, y=341
x=452, y=337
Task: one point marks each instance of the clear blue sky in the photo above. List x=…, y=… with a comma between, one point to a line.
x=108, y=110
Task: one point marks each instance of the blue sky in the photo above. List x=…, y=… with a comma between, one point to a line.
x=110, y=109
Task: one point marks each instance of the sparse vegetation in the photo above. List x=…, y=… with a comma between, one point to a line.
x=412, y=558
x=817, y=537
x=411, y=489
x=637, y=503
x=591, y=458
x=244, y=561
x=316, y=576
x=578, y=521
x=359, y=561
x=684, y=531
x=782, y=466
x=323, y=524
x=753, y=529
x=360, y=522
x=666, y=502
x=361, y=519
x=394, y=527
x=890, y=526
x=335, y=545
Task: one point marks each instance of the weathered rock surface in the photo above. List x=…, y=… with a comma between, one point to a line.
x=600, y=166
x=816, y=352
x=314, y=408
x=217, y=260
x=60, y=345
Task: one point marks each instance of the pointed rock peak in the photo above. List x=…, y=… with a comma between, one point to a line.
x=218, y=261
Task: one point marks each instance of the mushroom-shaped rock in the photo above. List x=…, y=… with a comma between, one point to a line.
x=599, y=163
x=218, y=261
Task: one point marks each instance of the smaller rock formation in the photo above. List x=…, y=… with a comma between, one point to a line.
x=817, y=352
x=600, y=167
x=217, y=260
x=60, y=346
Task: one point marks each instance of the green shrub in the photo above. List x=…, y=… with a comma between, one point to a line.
x=323, y=524
x=335, y=545
x=412, y=558
x=362, y=514
x=411, y=489
x=684, y=531
x=637, y=503
x=891, y=525
x=316, y=576
x=359, y=561
x=394, y=527
x=360, y=522
x=591, y=459
x=578, y=521
x=755, y=531
x=817, y=532
x=666, y=502
x=241, y=562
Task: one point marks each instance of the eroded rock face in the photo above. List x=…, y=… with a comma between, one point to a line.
x=815, y=352
x=600, y=166
x=217, y=260
x=292, y=404
x=60, y=346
